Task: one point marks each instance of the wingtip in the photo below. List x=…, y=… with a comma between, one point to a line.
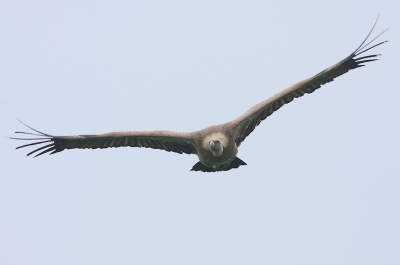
x=44, y=134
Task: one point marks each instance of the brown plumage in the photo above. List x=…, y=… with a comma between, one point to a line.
x=216, y=146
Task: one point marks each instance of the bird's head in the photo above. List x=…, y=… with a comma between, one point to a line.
x=216, y=147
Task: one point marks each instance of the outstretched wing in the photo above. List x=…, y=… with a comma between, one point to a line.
x=164, y=140
x=246, y=123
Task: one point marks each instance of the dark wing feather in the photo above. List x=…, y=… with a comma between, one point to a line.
x=246, y=123
x=164, y=140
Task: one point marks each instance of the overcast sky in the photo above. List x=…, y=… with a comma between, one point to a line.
x=322, y=182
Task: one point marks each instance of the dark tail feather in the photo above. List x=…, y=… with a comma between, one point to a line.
x=237, y=162
x=201, y=167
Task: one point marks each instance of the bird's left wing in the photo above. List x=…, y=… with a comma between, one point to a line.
x=164, y=140
x=246, y=123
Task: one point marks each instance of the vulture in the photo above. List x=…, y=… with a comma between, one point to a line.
x=216, y=146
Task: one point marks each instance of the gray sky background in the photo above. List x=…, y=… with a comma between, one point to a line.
x=322, y=183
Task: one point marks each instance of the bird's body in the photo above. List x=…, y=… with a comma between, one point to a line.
x=225, y=137
x=216, y=146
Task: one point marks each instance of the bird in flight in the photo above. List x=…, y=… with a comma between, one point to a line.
x=216, y=146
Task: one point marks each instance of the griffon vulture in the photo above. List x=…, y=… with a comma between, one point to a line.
x=216, y=146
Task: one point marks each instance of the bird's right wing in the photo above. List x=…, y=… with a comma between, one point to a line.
x=164, y=140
